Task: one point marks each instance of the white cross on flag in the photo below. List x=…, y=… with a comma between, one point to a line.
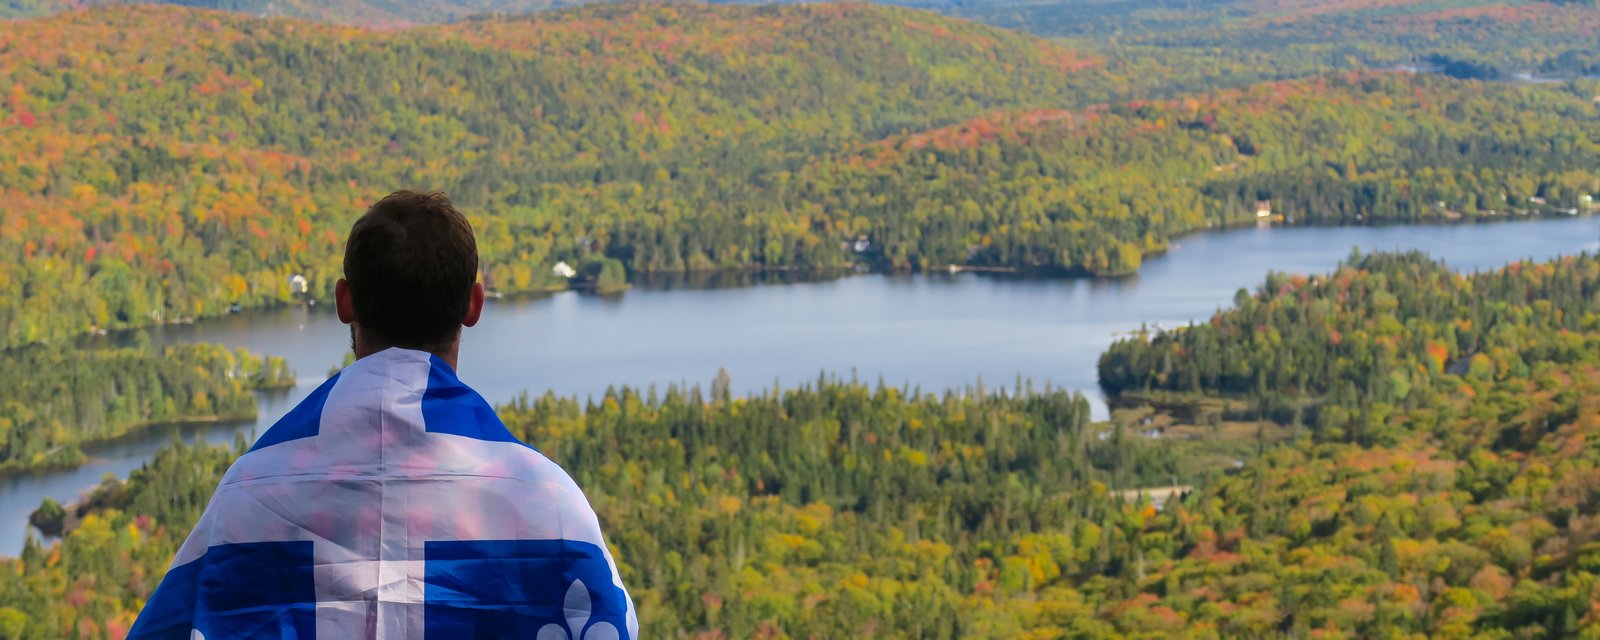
x=392, y=503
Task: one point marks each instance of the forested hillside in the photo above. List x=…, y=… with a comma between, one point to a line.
x=1091, y=191
x=1464, y=505
x=371, y=13
x=182, y=161
x=189, y=161
x=1446, y=477
x=1468, y=38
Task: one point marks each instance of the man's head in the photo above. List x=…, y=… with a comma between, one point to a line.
x=410, y=276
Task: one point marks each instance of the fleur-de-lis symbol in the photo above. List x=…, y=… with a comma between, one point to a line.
x=578, y=608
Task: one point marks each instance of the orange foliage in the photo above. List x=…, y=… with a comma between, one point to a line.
x=1438, y=354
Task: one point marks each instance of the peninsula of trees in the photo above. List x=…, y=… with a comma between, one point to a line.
x=53, y=399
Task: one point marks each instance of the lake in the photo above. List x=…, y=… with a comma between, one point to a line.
x=934, y=331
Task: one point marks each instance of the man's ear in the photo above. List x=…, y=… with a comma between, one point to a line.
x=343, y=302
x=474, y=305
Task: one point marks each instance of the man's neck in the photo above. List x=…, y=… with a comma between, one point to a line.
x=448, y=354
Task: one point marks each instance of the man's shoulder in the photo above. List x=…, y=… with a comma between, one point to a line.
x=441, y=456
x=394, y=398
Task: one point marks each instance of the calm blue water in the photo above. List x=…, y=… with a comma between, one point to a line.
x=933, y=331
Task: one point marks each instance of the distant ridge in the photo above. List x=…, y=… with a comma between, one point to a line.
x=1139, y=19
x=398, y=13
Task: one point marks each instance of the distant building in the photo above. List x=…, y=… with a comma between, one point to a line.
x=564, y=270
x=1263, y=208
x=862, y=244
x=297, y=284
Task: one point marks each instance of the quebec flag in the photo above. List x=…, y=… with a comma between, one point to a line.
x=392, y=503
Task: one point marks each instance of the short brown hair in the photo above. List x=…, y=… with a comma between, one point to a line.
x=410, y=263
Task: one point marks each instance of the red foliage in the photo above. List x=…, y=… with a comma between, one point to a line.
x=79, y=594
x=116, y=629
x=1065, y=60
x=974, y=133
x=1495, y=13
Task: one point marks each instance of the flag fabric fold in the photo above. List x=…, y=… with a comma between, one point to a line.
x=393, y=503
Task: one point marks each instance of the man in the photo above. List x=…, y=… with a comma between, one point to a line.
x=392, y=502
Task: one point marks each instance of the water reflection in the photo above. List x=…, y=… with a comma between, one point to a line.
x=735, y=279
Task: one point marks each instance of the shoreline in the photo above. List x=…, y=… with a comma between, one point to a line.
x=655, y=280
x=135, y=431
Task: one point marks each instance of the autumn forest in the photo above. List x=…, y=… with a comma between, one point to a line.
x=1416, y=446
